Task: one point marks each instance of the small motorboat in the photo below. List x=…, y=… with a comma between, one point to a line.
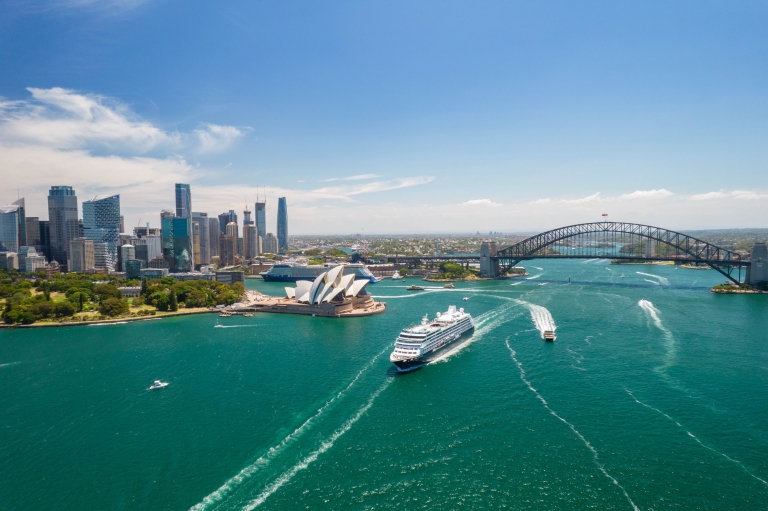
x=414, y=288
x=248, y=315
x=466, y=298
x=621, y=276
x=449, y=286
x=158, y=385
x=548, y=335
x=396, y=275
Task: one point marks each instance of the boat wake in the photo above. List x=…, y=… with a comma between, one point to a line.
x=662, y=280
x=540, y=316
x=9, y=364
x=232, y=484
x=516, y=283
x=652, y=282
x=483, y=324
x=234, y=326
x=571, y=426
x=653, y=314
x=534, y=277
x=327, y=444
x=540, y=269
x=696, y=438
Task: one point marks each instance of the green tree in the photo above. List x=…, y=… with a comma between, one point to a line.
x=403, y=271
x=113, y=307
x=63, y=309
x=80, y=302
x=173, y=304
x=144, y=286
x=104, y=291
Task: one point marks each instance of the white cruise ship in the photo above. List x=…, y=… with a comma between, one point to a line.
x=293, y=272
x=419, y=344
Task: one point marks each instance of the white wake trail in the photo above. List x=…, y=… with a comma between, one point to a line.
x=540, y=269
x=541, y=316
x=652, y=282
x=696, y=438
x=653, y=313
x=534, y=277
x=264, y=459
x=662, y=280
x=573, y=428
x=9, y=364
x=287, y=476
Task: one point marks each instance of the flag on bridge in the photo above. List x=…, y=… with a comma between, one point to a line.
x=605, y=214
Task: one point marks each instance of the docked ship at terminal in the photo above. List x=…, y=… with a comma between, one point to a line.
x=294, y=272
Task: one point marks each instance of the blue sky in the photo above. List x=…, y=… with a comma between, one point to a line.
x=393, y=116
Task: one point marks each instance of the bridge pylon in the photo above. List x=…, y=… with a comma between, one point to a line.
x=489, y=264
x=757, y=271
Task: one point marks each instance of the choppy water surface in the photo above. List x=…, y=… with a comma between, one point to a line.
x=652, y=397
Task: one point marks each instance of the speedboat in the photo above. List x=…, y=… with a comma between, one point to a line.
x=449, y=286
x=396, y=275
x=414, y=288
x=466, y=298
x=158, y=385
x=548, y=335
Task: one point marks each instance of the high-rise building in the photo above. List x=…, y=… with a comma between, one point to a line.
x=22, y=221
x=270, y=244
x=9, y=261
x=214, y=232
x=247, y=222
x=133, y=268
x=102, y=256
x=204, y=236
x=101, y=223
x=63, y=223
x=232, y=230
x=261, y=218
x=250, y=241
x=226, y=218
x=29, y=260
x=140, y=232
x=81, y=257
x=196, y=244
x=33, y=232
x=182, y=245
x=184, y=210
x=45, y=239
x=127, y=252
x=282, y=226
x=10, y=229
x=122, y=224
x=227, y=250
x=166, y=223
x=147, y=248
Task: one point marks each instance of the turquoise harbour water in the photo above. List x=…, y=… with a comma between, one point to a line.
x=652, y=397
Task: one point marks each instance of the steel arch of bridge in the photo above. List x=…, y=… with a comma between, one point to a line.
x=687, y=248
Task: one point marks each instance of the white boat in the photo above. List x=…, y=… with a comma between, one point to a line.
x=466, y=298
x=418, y=344
x=396, y=275
x=158, y=385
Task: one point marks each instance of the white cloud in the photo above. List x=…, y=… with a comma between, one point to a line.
x=648, y=194
x=591, y=198
x=540, y=201
x=215, y=138
x=480, y=202
x=735, y=194
x=359, y=177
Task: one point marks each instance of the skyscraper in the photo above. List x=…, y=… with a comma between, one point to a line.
x=33, y=233
x=248, y=234
x=10, y=230
x=226, y=218
x=22, y=221
x=63, y=223
x=261, y=218
x=81, y=258
x=182, y=245
x=214, y=231
x=184, y=210
x=204, y=229
x=101, y=223
x=166, y=230
x=282, y=226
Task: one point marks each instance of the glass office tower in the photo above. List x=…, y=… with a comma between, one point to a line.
x=9, y=229
x=166, y=229
x=204, y=237
x=261, y=219
x=101, y=223
x=63, y=222
x=182, y=245
x=184, y=210
x=282, y=226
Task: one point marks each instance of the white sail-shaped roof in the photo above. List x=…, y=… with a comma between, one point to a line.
x=316, y=286
x=357, y=286
x=346, y=281
x=304, y=298
x=333, y=294
x=322, y=293
x=290, y=292
x=335, y=274
x=304, y=285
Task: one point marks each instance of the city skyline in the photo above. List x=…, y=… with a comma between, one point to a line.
x=542, y=118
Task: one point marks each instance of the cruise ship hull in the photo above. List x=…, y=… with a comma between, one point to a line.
x=416, y=362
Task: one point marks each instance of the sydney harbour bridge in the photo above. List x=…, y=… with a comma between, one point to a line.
x=619, y=241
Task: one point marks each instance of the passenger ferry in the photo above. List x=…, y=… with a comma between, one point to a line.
x=292, y=272
x=419, y=344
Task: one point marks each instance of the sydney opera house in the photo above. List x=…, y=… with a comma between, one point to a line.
x=331, y=294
